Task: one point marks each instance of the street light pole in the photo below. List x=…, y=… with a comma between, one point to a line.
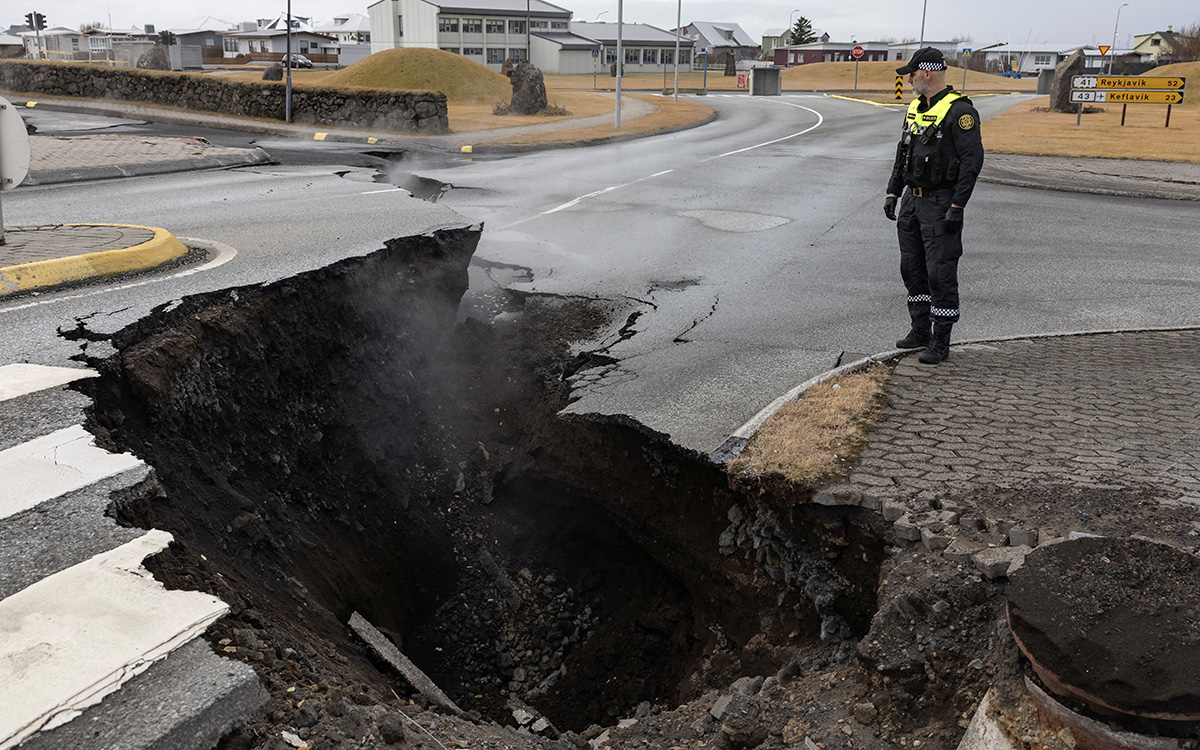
x=924, y=5
x=678, y=27
x=620, y=56
x=287, y=61
x=1113, y=51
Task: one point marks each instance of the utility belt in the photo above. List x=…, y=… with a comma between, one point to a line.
x=928, y=192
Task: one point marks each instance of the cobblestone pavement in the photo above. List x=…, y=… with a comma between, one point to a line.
x=25, y=244
x=48, y=152
x=1016, y=443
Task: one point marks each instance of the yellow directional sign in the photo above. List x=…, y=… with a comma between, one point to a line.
x=899, y=87
x=1175, y=83
x=1128, y=97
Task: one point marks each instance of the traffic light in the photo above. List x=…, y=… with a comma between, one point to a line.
x=35, y=21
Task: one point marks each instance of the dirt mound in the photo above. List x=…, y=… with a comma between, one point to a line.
x=460, y=79
x=827, y=76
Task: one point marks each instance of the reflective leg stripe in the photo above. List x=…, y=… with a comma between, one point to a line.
x=920, y=298
x=944, y=312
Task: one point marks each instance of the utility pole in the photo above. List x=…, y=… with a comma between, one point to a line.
x=1113, y=50
x=924, y=5
x=678, y=27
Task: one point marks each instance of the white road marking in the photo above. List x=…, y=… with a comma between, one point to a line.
x=78, y=635
x=52, y=465
x=225, y=253
x=20, y=379
x=388, y=190
x=576, y=201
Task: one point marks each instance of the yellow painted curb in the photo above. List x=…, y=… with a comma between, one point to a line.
x=163, y=247
x=863, y=101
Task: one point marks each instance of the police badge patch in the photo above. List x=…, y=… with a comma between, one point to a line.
x=966, y=122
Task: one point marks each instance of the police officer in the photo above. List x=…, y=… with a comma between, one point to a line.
x=938, y=158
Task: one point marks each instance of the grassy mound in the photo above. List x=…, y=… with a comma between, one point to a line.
x=1189, y=70
x=877, y=74
x=460, y=79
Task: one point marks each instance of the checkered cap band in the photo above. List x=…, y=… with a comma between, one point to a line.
x=932, y=66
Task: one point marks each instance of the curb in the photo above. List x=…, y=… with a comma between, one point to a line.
x=163, y=247
x=483, y=148
x=250, y=157
x=1065, y=187
x=738, y=440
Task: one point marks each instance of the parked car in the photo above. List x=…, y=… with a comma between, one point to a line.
x=300, y=61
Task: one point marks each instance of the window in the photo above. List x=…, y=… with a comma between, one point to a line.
x=1155, y=42
x=538, y=25
x=632, y=56
x=649, y=56
x=230, y=45
x=610, y=55
x=559, y=25
x=516, y=27
x=516, y=55
x=1041, y=59
x=399, y=25
x=448, y=25
x=494, y=26
x=453, y=50
x=303, y=47
x=472, y=51
x=210, y=42
x=472, y=25
x=668, y=56
x=495, y=55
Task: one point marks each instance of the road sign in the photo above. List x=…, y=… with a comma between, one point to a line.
x=1176, y=83
x=741, y=80
x=14, y=147
x=966, y=52
x=595, y=53
x=899, y=87
x=1128, y=97
x=1104, y=48
x=857, y=52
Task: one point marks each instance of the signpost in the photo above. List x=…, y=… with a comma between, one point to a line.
x=1126, y=90
x=14, y=152
x=857, y=53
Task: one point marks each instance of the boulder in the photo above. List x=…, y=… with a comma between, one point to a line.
x=1060, y=90
x=528, y=89
x=274, y=72
x=156, y=59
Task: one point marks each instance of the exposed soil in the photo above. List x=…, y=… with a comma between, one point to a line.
x=1118, y=619
x=338, y=443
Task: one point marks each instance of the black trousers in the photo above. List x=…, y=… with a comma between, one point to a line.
x=929, y=258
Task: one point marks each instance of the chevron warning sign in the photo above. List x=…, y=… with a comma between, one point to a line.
x=899, y=87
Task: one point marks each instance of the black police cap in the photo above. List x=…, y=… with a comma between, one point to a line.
x=926, y=58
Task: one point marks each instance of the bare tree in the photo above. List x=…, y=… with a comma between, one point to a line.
x=961, y=38
x=1185, y=47
x=91, y=26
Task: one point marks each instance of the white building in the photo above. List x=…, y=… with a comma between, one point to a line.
x=591, y=46
x=486, y=31
x=348, y=28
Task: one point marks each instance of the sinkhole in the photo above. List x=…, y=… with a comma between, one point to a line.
x=340, y=442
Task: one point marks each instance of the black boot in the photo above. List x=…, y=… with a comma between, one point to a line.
x=917, y=338
x=939, y=347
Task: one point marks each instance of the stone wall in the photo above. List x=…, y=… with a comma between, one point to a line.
x=403, y=111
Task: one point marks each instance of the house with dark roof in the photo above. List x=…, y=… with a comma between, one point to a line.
x=1157, y=44
x=713, y=39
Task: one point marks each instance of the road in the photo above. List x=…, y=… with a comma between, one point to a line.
x=754, y=247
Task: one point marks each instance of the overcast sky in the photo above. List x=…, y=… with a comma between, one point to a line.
x=1015, y=21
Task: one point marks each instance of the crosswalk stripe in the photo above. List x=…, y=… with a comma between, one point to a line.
x=55, y=464
x=20, y=379
x=78, y=635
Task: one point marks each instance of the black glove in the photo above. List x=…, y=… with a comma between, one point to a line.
x=954, y=220
x=889, y=207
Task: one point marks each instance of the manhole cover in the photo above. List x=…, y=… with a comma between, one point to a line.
x=1113, y=623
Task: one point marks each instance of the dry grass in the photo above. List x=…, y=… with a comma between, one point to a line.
x=669, y=114
x=832, y=76
x=818, y=435
x=467, y=118
x=461, y=80
x=1034, y=130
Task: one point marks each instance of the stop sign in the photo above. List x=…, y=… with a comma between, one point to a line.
x=857, y=52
